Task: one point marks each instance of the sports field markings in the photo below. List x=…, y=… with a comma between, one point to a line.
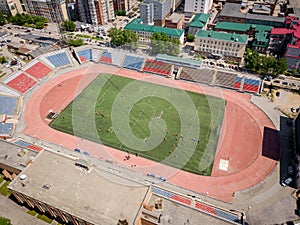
x=133, y=113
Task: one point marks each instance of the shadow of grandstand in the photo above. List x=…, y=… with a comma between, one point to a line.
x=287, y=152
x=270, y=144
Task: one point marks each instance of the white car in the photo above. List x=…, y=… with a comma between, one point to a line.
x=285, y=182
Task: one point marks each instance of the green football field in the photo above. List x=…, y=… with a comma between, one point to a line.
x=164, y=124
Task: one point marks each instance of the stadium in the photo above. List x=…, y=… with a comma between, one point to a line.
x=56, y=99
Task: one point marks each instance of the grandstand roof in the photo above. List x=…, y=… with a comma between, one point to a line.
x=240, y=38
x=199, y=20
x=136, y=25
x=96, y=196
x=9, y=155
x=164, y=57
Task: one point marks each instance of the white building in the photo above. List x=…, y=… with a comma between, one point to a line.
x=96, y=12
x=197, y=6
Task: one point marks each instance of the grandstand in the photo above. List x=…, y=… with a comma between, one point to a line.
x=238, y=82
x=85, y=54
x=118, y=57
x=96, y=54
x=133, y=62
x=37, y=69
x=105, y=58
x=156, y=67
x=25, y=144
x=197, y=205
x=8, y=105
x=6, y=129
x=20, y=82
x=251, y=84
x=179, y=61
x=197, y=75
x=225, y=79
x=58, y=59
x=4, y=90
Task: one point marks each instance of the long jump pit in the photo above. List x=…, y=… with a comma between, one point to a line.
x=241, y=159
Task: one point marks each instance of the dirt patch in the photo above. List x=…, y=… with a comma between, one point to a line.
x=286, y=101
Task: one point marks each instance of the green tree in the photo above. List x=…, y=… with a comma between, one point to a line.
x=4, y=221
x=190, y=38
x=2, y=59
x=68, y=25
x=2, y=19
x=120, y=13
x=264, y=64
x=28, y=20
x=124, y=38
x=161, y=43
x=76, y=42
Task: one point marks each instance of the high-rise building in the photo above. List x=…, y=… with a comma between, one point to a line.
x=197, y=6
x=146, y=10
x=53, y=10
x=96, y=12
x=161, y=9
x=10, y=7
x=124, y=4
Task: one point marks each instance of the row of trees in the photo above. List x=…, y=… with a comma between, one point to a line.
x=28, y=21
x=124, y=38
x=160, y=42
x=265, y=65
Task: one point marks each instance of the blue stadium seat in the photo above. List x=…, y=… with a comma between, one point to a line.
x=6, y=128
x=59, y=59
x=22, y=143
x=7, y=105
x=227, y=216
x=133, y=62
x=86, y=54
x=162, y=192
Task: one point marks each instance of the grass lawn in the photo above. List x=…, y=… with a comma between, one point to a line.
x=167, y=125
x=4, y=190
x=32, y=212
x=44, y=218
x=1, y=178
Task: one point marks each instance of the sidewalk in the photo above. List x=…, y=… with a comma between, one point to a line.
x=17, y=214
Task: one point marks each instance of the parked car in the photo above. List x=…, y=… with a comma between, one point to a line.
x=286, y=181
x=285, y=83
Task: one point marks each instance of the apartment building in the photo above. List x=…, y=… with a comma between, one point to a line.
x=10, y=7
x=96, y=12
x=145, y=31
x=53, y=10
x=124, y=4
x=197, y=6
x=161, y=9
x=229, y=46
x=147, y=13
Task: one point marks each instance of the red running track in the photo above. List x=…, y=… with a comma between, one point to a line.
x=240, y=141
